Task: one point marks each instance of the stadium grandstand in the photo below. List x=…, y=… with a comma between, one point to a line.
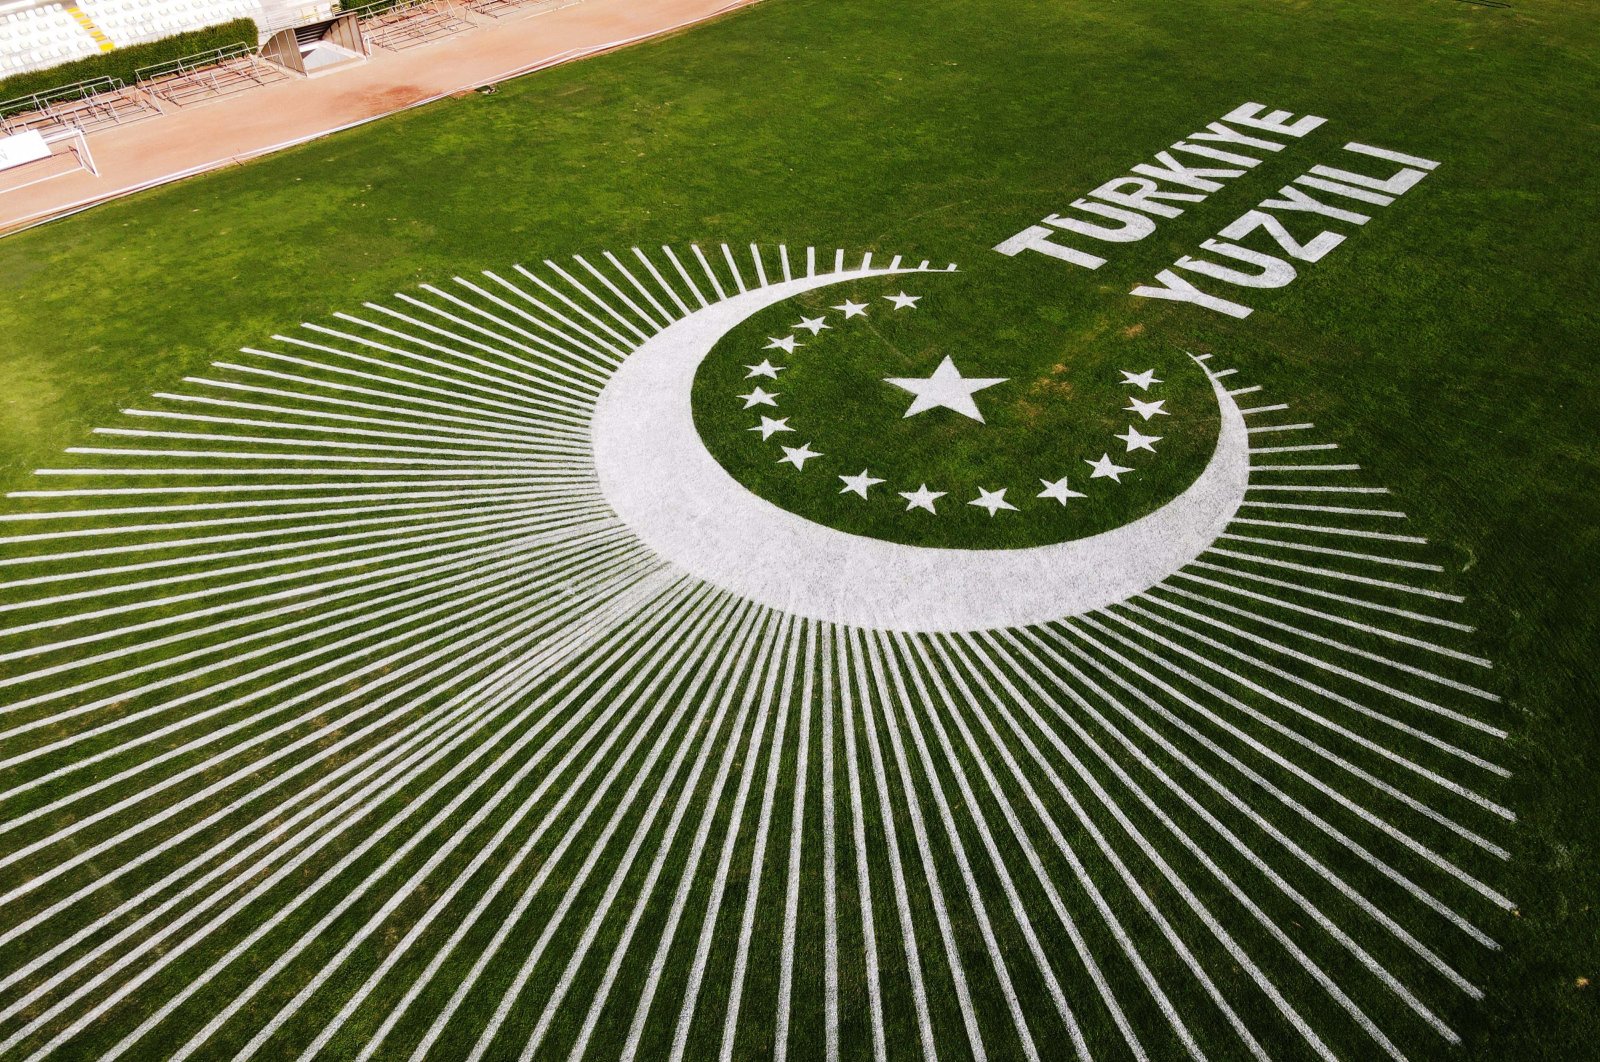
x=40, y=34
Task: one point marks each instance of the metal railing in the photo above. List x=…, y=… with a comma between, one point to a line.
x=86, y=105
x=396, y=24
x=208, y=75
x=191, y=64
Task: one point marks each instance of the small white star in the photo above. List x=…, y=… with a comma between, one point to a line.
x=812, y=324
x=922, y=498
x=1137, y=441
x=798, y=455
x=766, y=368
x=1059, y=490
x=947, y=388
x=1146, y=409
x=852, y=309
x=769, y=427
x=992, y=500
x=786, y=344
x=903, y=301
x=758, y=397
x=858, y=484
x=1141, y=380
x=1105, y=468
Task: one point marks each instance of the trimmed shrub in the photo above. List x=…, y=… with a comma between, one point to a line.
x=123, y=62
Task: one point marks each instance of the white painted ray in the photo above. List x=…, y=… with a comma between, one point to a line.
x=1189, y=800
x=369, y=841
x=457, y=768
x=262, y=740
x=674, y=677
x=657, y=474
x=461, y=714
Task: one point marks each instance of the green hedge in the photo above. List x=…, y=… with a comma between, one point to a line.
x=123, y=62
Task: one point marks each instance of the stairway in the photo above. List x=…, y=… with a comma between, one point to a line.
x=90, y=28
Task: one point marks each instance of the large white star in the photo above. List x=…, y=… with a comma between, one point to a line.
x=947, y=388
x=1138, y=441
x=812, y=324
x=758, y=397
x=798, y=455
x=992, y=500
x=903, y=301
x=852, y=309
x=922, y=498
x=858, y=484
x=770, y=427
x=1141, y=380
x=785, y=344
x=766, y=368
x=1105, y=468
x=1059, y=490
x=1146, y=409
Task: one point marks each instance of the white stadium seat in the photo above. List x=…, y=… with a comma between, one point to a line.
x=37, y=37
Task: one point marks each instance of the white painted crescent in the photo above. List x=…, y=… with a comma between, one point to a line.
x=666, y=486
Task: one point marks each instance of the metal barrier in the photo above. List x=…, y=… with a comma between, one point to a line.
x=84, y=105
x=396, y=24
x=505, y=8
x=208, y=75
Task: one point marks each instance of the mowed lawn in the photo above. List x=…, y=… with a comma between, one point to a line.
x=1449, y=345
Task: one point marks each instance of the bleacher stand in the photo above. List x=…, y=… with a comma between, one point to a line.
x=134, y=21
x=36, y=37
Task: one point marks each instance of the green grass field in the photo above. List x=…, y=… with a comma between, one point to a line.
x=1259, y=809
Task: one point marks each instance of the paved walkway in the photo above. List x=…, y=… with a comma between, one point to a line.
x=191, y=140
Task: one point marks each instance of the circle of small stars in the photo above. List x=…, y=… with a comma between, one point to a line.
x=923, y=498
